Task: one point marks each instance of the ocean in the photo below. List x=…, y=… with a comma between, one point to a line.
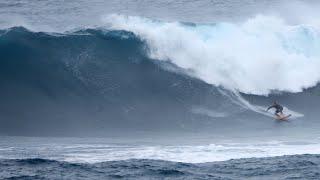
x=142, y=89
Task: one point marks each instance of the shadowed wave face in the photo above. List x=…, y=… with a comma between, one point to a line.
x=91, y=79
x=94, y=82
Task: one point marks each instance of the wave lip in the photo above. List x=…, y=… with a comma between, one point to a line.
x=259, y=56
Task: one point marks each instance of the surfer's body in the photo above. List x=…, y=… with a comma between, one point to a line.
x=278, y=108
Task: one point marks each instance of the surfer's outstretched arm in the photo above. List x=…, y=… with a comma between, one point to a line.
x=270, y=107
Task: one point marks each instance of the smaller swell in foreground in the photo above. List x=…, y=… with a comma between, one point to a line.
x=285, y=167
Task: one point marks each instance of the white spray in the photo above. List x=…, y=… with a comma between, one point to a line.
x=254, y=57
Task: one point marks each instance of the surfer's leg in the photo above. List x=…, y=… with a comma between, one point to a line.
x=280, y=110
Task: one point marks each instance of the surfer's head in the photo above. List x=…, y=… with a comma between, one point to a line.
x=275, y=102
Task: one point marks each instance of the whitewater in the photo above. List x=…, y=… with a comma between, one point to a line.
x=95, y=150
x=258, y=56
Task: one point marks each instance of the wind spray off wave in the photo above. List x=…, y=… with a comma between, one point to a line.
x=258, y=56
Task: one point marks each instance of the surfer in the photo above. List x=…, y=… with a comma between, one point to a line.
x=278, y=108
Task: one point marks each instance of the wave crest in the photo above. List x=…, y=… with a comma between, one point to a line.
x=259, y=56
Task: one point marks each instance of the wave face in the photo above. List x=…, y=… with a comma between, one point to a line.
x=291, y=167
x=94, y=80
x=98, y=81
x=258, y=56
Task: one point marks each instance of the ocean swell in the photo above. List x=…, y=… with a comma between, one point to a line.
x=286, y=167
x=93, y=80
x=96, y=79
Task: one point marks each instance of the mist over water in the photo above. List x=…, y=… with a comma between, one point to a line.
x=52, y=16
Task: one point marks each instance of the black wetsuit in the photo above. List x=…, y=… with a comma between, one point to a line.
x=278, y=108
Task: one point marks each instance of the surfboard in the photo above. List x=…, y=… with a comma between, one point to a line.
x=283, y=118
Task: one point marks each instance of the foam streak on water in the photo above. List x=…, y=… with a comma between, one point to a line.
x=81, y=151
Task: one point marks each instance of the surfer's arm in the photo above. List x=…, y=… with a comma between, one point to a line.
x=270, y=107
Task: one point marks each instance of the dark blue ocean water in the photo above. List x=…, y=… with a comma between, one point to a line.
x=285, y=167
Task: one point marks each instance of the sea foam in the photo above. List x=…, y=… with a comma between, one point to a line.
x=258, y=56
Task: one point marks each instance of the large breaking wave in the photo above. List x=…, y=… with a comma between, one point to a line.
x=145, y=75
x=259, y=56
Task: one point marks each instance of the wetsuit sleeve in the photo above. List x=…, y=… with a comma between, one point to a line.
x=270, y=107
